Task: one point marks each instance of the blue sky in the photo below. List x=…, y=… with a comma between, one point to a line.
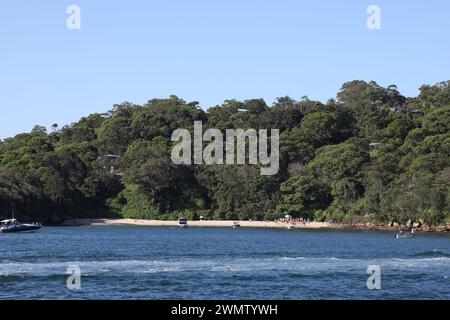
x=207, y=51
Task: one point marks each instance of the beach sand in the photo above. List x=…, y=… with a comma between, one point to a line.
x=208, y=223
x=248, y=224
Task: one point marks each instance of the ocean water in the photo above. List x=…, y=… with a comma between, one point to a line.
x=209, y=263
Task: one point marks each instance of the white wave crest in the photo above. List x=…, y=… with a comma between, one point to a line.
x=286, y=264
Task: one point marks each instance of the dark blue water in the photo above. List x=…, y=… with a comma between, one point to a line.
x=196, y=263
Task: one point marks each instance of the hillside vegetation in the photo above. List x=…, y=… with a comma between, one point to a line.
x=370, y=155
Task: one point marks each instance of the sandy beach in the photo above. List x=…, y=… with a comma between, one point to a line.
x=208, y=223
x=247, y=224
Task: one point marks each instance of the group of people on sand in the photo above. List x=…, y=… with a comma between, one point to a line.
x=293, y=221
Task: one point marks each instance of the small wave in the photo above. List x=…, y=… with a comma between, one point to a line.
x=321, y=264
x=86, y=267
x=229, y=265
x=432, y=253
x=293, y=258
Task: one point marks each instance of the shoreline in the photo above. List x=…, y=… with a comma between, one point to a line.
x=245, y=224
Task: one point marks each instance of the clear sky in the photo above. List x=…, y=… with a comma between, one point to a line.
x=208, y=51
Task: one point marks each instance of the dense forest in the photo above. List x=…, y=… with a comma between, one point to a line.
x=370, y=155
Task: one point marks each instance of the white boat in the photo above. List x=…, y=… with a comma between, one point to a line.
x=13, y=225
x=182, y=222
x=405, y=235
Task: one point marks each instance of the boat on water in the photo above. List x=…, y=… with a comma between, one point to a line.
x=182, y=222
x=405, y=235
x=13, y=225
x=235, y=225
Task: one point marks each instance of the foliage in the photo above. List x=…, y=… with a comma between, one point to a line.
x=372, y=155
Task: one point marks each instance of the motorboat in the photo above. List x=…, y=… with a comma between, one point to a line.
x=405, y=235
x=235, y=225
x=13, y=225
x=182, y=222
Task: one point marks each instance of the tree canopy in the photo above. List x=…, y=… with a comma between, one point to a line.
x=370, y=155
